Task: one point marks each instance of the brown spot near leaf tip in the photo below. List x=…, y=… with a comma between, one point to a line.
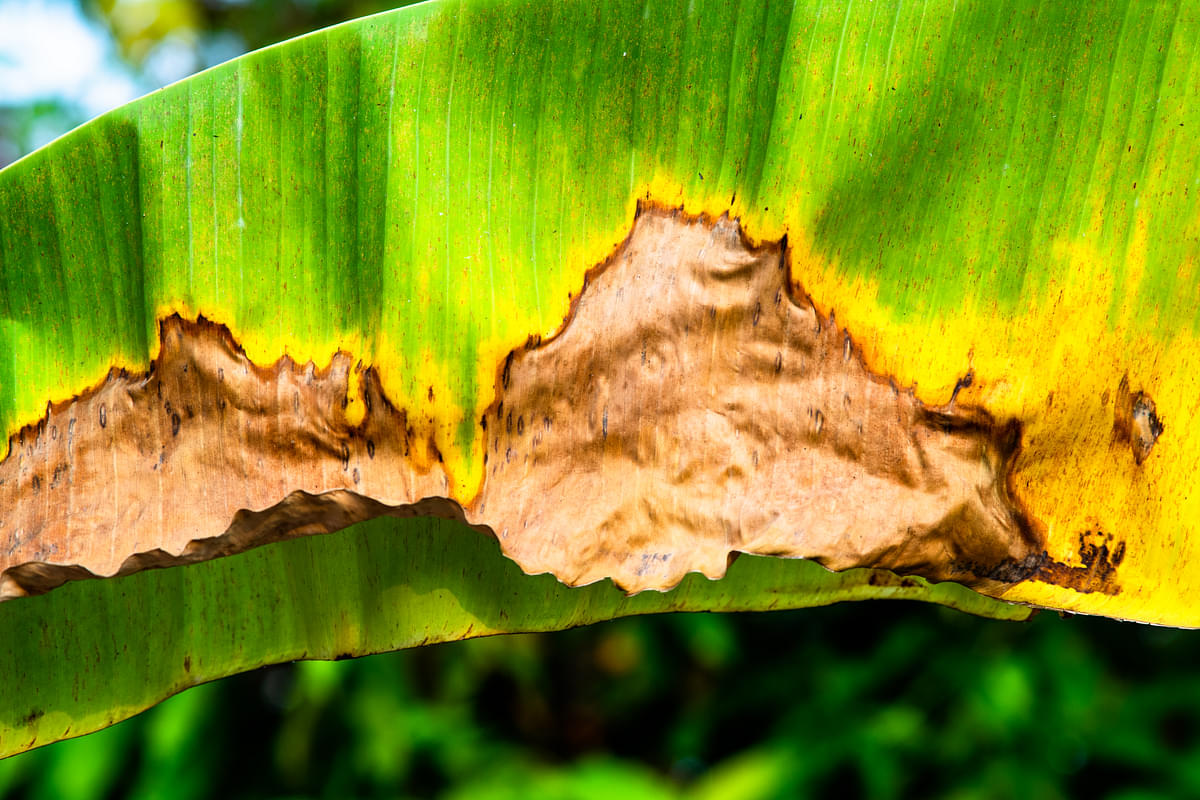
x=1099, y=557
x=1136, y=421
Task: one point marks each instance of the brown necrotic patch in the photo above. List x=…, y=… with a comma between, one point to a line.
x=1136, y=421
x=694, y=406
x=205, y=455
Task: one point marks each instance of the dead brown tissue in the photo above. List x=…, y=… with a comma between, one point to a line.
x=1136, y=421
x=694, y=405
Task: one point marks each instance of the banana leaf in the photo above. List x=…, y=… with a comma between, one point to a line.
x=984, y=211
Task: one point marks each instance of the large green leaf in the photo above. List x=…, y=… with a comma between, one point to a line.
x=425, y=190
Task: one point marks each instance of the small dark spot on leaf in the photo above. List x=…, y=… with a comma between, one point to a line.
x=1136, y=421
x=103, y=416
x=175, y=422
x=963, y=383
x=1147, y=427
x=370, y=448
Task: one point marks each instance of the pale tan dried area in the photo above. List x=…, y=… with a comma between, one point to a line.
x=693, y=406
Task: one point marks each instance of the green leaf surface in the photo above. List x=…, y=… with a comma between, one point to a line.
x=94, y=652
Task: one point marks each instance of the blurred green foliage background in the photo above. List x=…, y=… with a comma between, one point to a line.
x=879, y=700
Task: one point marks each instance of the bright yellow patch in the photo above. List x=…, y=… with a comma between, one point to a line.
x=1056, y=368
